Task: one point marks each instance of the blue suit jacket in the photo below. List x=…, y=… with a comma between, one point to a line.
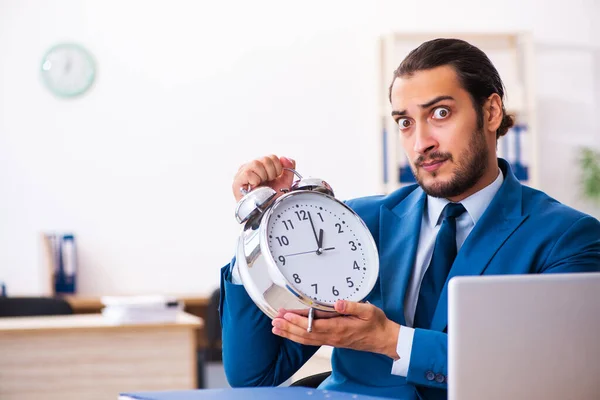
x=522, y=231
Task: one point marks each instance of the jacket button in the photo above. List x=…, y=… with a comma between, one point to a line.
x=439, y=378
x=429, y=375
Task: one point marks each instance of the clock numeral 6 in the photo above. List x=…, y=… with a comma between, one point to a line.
x=335, y=291
x=353, y=248
x=297, y=278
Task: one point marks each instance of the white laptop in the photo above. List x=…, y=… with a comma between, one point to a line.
x=524, y=337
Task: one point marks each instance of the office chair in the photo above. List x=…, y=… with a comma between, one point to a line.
x=33, y=306
x=312, y=381
x=212, y=328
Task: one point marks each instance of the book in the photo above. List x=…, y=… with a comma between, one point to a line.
x=262, y=393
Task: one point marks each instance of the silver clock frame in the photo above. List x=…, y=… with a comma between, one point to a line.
x=265, y=283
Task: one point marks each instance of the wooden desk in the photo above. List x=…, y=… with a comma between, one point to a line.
x=85, y=357
x=88, y=304
x=195, y=305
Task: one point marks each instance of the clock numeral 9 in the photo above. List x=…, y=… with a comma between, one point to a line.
x=283, y=240
x=335, y=291
x=339, y=226
x=353, y=248
x=297, y=278
x=282, y=259
x=315, y=286
x=349, y=282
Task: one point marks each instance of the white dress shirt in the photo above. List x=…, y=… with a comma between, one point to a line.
x=431, y=222
x=475, y=205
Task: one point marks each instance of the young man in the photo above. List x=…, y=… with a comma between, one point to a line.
x=468, y=215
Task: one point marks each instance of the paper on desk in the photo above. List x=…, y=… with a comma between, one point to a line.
x=140, y=309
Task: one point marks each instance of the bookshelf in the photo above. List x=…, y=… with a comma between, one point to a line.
x=512, y=54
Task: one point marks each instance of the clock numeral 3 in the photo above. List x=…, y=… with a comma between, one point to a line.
x=297, y=278
x=283, y=240
x=353, y=248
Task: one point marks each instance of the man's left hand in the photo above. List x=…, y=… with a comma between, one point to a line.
x=361, y=326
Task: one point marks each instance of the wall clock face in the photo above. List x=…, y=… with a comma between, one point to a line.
x=68, y=70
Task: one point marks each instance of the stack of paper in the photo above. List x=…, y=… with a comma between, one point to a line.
x=140, y=309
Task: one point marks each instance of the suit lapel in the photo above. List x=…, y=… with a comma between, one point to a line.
x=399, y=236
x=502, y=217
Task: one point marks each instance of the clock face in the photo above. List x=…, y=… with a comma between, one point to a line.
x=322, y=248
x=68, y=70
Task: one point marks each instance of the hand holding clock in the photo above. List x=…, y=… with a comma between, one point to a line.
x=268, y=170
x=362, y=326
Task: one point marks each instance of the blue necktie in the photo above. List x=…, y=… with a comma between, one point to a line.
x=435, y=277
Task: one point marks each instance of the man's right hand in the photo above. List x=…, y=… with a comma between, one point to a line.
x=266, y=171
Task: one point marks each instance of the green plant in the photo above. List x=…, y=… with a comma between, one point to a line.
x=590, y=174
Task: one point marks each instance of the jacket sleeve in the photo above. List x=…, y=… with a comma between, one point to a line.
x=252, y=354
x=429, y=359
x=577, y=249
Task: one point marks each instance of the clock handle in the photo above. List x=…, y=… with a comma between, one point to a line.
x=248, y=188
x=311, y=316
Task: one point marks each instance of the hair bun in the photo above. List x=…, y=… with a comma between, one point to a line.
x=508, y=121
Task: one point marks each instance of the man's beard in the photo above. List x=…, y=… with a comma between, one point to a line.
x=467, y=173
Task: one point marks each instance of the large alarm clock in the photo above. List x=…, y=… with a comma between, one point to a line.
x=304, y=250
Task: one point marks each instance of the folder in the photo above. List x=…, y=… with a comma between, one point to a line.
x=263, y=393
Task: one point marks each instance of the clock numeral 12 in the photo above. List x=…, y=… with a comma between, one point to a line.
x=304, y=216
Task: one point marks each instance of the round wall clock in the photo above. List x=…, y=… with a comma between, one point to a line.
x=68, y=70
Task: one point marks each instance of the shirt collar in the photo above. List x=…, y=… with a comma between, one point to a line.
x=475, y=204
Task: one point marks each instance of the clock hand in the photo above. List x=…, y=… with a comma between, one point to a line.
x=297, y=254
x=320, y=243
x=308, y=252
x=313, y=228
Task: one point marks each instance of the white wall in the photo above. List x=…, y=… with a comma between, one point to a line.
x=140, y=168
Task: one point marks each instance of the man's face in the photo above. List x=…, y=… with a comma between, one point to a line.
x=447, y=151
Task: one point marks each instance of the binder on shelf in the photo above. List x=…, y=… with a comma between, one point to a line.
x=60, y=256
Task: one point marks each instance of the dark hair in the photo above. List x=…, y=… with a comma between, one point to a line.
x=474, y=69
